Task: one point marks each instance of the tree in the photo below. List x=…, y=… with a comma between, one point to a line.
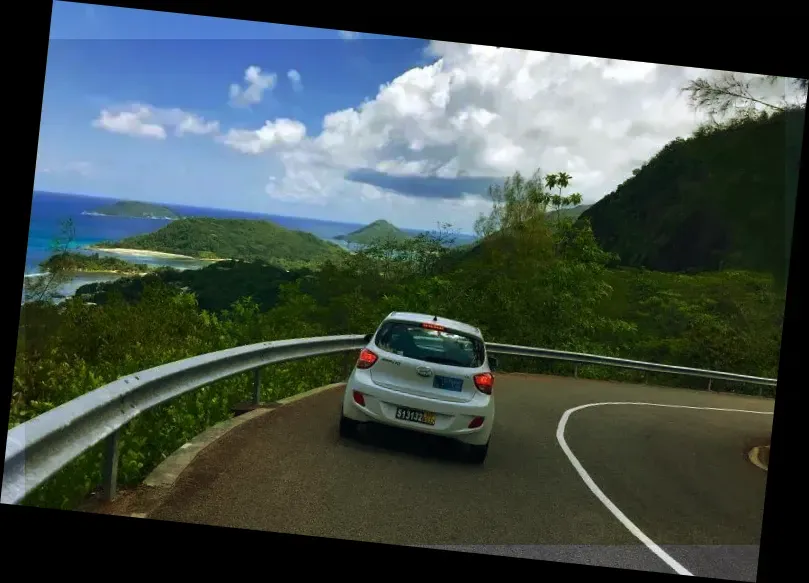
x=730, y=95
x=515, y=203
x=562, y=181
x=47, y=286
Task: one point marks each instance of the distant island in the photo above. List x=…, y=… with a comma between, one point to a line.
x=236, y=239
x=80, y=263
x=376, y=231
x=135, y=210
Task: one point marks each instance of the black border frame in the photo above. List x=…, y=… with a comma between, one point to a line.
x=741, y=45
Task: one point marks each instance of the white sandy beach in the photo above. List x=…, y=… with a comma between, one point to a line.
x=146, y=253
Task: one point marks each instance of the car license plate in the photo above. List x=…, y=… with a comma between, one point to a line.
x=423, y=417
x=447, y=383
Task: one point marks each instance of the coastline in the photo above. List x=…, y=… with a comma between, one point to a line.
x=148, y=253
x=85, y=272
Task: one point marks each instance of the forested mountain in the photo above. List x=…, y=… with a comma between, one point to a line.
x=721, y=199
x=243, y=239
x=376, y=231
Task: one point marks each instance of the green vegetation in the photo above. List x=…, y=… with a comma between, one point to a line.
x=216, y=287
x=723, y=198
x=714, y=201
x=376, y=231
x=79, y=262
x=571, y=213
x=136, y=209
x=536, y=278
x=242, y=239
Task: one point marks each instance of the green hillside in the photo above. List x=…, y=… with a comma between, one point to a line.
x=242, y=239
x=717, y=200
x=79, y=262
x=216, y=286
x=377, y=231
x=571, y=213
x=136, y=210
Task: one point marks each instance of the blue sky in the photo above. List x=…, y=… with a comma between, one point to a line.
x=103, y=57
x=332, y=125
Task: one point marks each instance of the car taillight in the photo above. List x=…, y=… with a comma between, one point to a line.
x=484, y=382
x=367, y=359
x=429, y=326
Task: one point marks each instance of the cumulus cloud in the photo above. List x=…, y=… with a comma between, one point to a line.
x=277, y=134
x=432, y=139
x=477, y=114
x=131, y=123
x=295, y=79
x=256, y=84
x=146, y=121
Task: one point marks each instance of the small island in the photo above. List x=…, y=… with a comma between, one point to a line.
x=135, y=210
x=81, y=263
x=235, y=239
x=380, y=230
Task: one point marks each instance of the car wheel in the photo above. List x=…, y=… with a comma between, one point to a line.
x=348, y=427
x=477, y=453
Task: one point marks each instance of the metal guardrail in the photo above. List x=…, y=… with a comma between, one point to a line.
x=579, y=358
x=38, y=448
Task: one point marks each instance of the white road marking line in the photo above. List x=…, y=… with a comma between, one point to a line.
x=630, y=526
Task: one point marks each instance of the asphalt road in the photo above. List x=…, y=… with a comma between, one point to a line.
x=680, y=476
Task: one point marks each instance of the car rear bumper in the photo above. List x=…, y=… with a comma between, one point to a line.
x=452, y=419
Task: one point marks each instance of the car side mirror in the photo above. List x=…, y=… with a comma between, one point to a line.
x=493, y=363
x=367, y=338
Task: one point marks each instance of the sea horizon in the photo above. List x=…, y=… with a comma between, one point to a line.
x=174, y=205
x=49, y=209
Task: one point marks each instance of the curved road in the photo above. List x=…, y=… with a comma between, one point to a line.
x=678, y=476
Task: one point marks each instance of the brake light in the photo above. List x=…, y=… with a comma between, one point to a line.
x=430, y=326
x=484, y=382
x=359, y=398
x=367, y=359
x=476, y=422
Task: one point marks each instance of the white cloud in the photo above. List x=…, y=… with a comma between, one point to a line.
x=256, y=84
x=347, y=34
x=295, y=79
x=80, y=167
x=151, y=122
x=131, y=123
x=481, y=111
x=476, y=112
x=280, y=133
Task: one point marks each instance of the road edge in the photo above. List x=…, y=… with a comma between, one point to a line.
x=166, y=474
x=149, y=495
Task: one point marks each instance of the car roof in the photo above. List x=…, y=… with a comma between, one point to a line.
x=434, y=319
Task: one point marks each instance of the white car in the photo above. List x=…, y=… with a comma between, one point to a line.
x=424, y=373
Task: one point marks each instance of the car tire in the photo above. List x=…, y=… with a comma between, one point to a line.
x=348, y=427
x=477, y=453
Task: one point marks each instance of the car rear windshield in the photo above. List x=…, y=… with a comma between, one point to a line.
x=439, y=346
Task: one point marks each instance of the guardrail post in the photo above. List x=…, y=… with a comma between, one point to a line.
x=645, y=378
x=761, y=390
x=575, y=370
x=710, y=383
x=257, y=386
x=110, y=471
